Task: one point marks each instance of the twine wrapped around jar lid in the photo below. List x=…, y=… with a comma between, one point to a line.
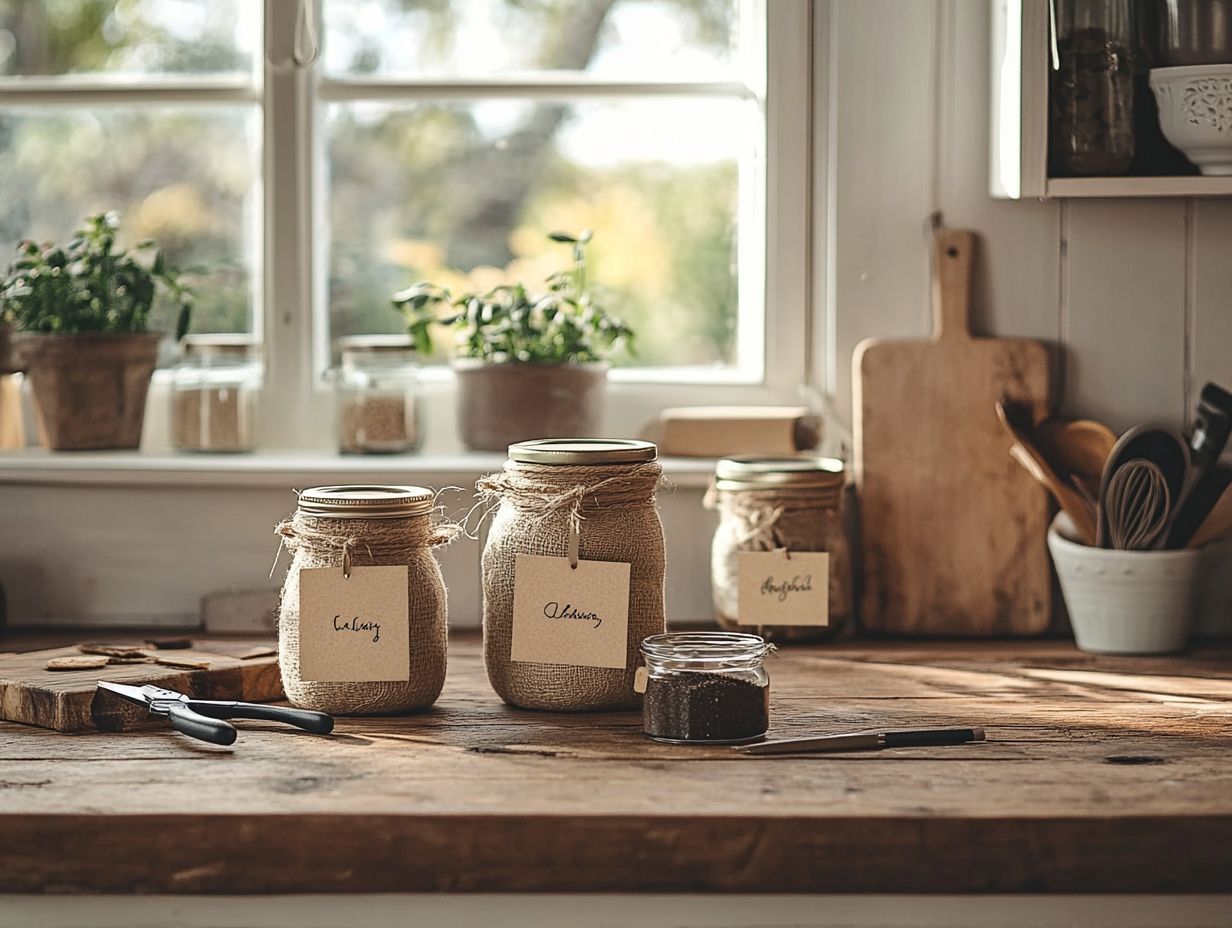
x=758, y=491
x=574, y=475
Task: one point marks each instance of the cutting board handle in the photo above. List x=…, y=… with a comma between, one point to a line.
x=952, y=253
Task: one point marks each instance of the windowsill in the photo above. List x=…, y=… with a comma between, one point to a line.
x=272, y=468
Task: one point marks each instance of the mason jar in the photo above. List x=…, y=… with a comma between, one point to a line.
x=585, y=499
x=788, y=503
x=347, y=527
x=1091, y=88
x=215, y=393
x=705, y=687
x=377, y=386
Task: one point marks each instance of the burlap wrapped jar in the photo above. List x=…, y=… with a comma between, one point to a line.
x=604, y=490
x=768, y=503
x=362, y=526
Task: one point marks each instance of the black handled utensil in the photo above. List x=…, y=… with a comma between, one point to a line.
x=204, y=719
x=873, y=741
x=1212, y=426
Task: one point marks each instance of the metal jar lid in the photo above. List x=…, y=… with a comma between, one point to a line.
x=583, y=451
x=381, y=349
x=217, y=347
x=365, y=502
x=768, y=473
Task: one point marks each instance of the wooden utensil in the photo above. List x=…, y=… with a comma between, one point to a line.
x=1218, y=522
x=65, y=700
x=953, y=530
x=1077, y=449
x=1015, y=419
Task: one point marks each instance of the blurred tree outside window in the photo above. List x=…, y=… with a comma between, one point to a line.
x=459, y=187
x=461, y=192
x=183, y=174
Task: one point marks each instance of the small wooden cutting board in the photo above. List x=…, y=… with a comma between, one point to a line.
x=70, y=701
x=953, y=529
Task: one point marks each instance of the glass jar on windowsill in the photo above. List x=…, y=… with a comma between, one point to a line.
x=216, y=389
x=377, y=387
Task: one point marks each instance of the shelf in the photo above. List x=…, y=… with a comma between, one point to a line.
x=1018, y=126
x=1194, y=186
x=274, y=469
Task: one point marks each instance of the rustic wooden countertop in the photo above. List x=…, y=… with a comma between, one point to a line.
x=1099, y=775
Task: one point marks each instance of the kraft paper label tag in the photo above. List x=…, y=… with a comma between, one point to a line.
x=356, y=628
x=563, y=615
x=776, y=589
x=641, y=679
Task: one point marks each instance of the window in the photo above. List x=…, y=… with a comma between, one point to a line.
x=147, y=107
x=312, y=159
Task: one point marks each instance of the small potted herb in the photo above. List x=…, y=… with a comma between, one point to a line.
x=528, y=365
x=79, y=314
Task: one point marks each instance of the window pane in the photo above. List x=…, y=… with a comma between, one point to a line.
x=464, y=194
x=635, y=38
x=184, y=177
x=127, y=36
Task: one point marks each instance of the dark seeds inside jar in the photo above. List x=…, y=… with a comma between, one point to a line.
x=705, y=707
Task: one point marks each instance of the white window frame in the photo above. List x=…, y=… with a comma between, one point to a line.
x=290, y=308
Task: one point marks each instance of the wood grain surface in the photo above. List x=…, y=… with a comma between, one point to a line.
x=69, y=700
x=1099, y=774
x=953, y=529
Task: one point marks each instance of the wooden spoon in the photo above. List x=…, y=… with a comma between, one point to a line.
x=1077, y=448
x=1016, y=422
x=1218, y=522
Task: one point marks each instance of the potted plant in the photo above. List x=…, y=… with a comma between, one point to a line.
x=528, y=365
x=79, y=314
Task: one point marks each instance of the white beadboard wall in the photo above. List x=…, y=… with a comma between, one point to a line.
x=1135, y=294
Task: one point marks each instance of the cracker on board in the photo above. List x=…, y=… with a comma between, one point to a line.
x=77, y=663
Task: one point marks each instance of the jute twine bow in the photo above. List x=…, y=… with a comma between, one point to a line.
x=757, y=512
x=383, y=539
x=541, y=491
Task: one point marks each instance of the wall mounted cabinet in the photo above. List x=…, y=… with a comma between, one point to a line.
x=1022, y=44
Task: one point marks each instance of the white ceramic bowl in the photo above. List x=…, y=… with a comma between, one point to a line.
x=1127, y=602
x=1195, y=113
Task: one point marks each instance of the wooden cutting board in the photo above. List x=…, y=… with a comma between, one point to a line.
x=68, y=700
x=953, y=528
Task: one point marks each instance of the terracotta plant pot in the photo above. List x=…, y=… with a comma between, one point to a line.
x=89, y=389
x=499, y=404
x=7, y=363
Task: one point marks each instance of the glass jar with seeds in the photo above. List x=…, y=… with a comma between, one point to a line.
x=377, y=392
x=781, y=530
x=217, y=387
x=707, y=687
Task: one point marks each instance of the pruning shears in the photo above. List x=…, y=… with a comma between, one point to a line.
x=204, y=718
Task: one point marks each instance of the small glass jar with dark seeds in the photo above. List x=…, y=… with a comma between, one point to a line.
x=705, y=687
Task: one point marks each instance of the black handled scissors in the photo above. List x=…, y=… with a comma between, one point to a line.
x=203, y=718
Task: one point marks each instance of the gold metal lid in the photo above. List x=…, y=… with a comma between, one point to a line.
x=375, y=347
x=220, y=346
x=583, y=451
x=365, y=502
x=797, y=473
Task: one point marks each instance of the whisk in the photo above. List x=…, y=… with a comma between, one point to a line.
x=1137, y=503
